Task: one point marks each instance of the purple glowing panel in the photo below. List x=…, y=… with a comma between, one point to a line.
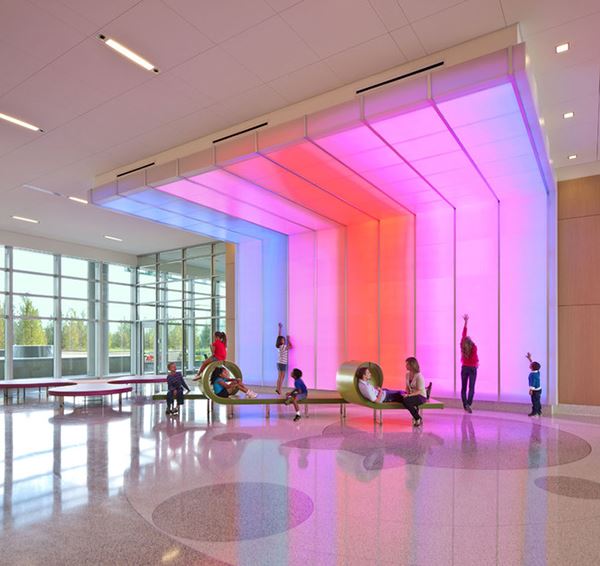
x=216, y=200
x=477, y=288
x=523, y=318
x=435, y=298
x=273, y=173
x=244, y=191
x=302, y=307
x=409, y=125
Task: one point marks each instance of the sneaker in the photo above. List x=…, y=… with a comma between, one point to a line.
x=251, y=394
x=278, y=391
x=468, y=409
x=297, y=418
x=428, y=390
x=418, y=422
x=168, y=412
x=532, y=414
x=175, y=412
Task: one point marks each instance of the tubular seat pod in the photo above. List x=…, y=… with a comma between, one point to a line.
x=347, y=386
x=314, y=397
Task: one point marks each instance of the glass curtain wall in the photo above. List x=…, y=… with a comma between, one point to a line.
x=180, y=304
x=64, y=316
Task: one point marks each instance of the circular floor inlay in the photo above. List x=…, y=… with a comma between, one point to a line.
x=229, y=512
x=455, y=441
x=232, y=436
x=570, y=486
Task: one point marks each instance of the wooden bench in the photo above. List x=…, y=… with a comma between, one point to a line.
x=314, y=397
x=347, y=386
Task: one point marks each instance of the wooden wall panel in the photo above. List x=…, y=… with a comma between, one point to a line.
x=579, y=291
x=579, y=261
x=579, y=197
x=579, y=355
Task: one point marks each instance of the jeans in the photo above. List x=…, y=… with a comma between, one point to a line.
x=536, y=402
x=412, y=404
x=171, y=393
x=468, y=374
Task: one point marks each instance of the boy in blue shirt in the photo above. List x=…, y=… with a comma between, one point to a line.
x=535, y=387
x=175, y=385
x=300, y=392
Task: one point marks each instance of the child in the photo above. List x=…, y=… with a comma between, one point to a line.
x=468, y=371
x=535, y=387
x=176, y=385
x=282, y=344
x=219, y=352
x=226, y=386
x=300, y=392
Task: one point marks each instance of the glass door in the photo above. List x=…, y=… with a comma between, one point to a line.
x=148, y=348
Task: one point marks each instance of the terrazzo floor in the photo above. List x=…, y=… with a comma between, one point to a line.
x=95, y=485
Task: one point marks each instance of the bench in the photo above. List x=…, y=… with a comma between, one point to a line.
x=32, y=383
x=314, y=397
x=89, y=390
x=139, y=380
x=347, y=386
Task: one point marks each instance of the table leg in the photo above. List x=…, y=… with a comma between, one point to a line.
x=120, y=401
x=306, y=409
x=268, y=411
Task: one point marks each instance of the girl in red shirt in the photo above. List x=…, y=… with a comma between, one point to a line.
x=468, y=371
x=219, y=352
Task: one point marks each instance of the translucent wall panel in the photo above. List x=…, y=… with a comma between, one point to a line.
x=330, y=306
x=249, y=282
x=523, y=314
x=362, y=288
x=436, y=340
x=397, y=296
x=302, y=304
x=477, y=290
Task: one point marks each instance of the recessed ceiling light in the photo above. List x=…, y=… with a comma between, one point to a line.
x=40, y=190
x=79, y=200
x=18, y=122
x=113, y=238
x=120, y=48
x=25, y=219
x=568, y=115
x=573, y=156
x=542, y=121
x=562, y=47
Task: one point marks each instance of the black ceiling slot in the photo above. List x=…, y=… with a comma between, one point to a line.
x=241, y=132
x=411, y=74
x=136, y=169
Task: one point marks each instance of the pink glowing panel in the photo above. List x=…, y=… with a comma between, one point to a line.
x=523, y=316
x=477, y=288
x=330, y=306
x=308, y=160
x=218, y=201
x=427, y=146
x=271, y=176
x=379, y=164
x=302, y=303
x=244, y=191
x=481, y=105
x=409, y=125
x=397, y=297
x=362, y=291
x=435, y=298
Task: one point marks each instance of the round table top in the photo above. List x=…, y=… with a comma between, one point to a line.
x=89, y=390
x=34, y=382
x=139, y=379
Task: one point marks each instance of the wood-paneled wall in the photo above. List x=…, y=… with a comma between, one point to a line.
x=579, y=291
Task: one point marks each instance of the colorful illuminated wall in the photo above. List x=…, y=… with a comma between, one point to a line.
x=369, y=228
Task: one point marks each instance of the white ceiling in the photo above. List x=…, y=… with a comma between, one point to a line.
x=225, y=62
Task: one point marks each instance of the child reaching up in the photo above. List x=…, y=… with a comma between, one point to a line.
x=535, y=387
x=299, y=392
x=283, y=345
